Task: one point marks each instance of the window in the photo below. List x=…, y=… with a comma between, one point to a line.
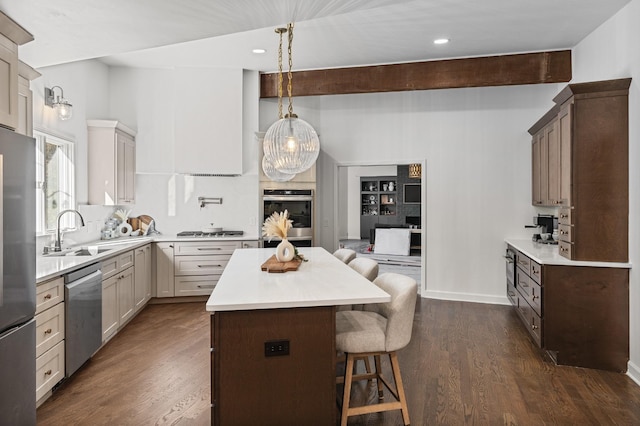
x=55, y=182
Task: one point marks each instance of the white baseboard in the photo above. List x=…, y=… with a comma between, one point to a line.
x=465, y=297
x=633, y=371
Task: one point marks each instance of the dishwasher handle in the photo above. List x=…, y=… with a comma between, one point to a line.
x=96, y=275
x=79, y=273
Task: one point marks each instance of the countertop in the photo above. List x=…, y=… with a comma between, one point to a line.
x=48, y=267
x=547, y=254
x=322, y=281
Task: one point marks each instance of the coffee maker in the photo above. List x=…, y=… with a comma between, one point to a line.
x=546, y=224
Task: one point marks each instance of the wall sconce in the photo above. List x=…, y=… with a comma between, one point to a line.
x=415, y=171
x=64, y=108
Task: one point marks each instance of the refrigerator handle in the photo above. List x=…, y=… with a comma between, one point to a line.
x=1, y=229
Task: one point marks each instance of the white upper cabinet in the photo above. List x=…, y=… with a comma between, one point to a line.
x=11, y=36
x=208, y=121
x=112, y=163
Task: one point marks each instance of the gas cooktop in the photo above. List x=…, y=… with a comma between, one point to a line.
x=224, y=233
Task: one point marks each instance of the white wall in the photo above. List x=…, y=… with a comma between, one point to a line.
x=478, y=170
x=611, y=52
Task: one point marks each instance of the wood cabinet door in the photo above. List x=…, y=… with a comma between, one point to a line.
x=9, y=83
x=536, y=168
x=109, y=307
x=140, y=279
x=552, y=158
x=125, y=168
x=165, y=282
x=564, y=142
x=125, y=296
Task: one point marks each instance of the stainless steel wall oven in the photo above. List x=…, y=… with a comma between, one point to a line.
x=299, y=204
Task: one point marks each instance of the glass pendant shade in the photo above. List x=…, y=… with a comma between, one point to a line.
x=291, y=145
x=64, y=108
x=273, y=173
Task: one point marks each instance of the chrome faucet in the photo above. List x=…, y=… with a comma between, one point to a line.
x=58, y=243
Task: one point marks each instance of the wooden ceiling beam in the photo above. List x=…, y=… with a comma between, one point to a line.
x=505, y=70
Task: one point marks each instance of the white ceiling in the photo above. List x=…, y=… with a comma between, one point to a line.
x=328, y=33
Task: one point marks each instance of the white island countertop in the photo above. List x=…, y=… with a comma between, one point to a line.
x=547, y=254
x=322, y=281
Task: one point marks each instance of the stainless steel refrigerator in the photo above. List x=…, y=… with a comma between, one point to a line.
x=17, y=279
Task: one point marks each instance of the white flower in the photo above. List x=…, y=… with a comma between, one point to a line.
x=277, y=225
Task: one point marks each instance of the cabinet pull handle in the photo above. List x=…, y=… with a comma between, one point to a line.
x=47, y=373
x=47, y=296
x=209, y=266
x=206, y=286
x=170, y=245
x=47, y=331
x=209, y=248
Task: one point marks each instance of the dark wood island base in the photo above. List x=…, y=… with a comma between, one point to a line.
x=254, y=379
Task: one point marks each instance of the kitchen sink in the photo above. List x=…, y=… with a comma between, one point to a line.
x=77, y=252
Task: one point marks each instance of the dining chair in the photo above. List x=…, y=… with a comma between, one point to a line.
x=379, y=329
x=345, y=254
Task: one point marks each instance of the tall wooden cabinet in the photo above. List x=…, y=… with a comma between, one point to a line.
x=112, y=163
x=580, y=159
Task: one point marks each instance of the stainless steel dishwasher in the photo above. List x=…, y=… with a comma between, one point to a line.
x=83, y=315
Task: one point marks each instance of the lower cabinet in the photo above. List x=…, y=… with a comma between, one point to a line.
x=49, y=336
x=142, y=278
x=165, y=286
x=192, y=268
x=578, y=314
x=117, y=293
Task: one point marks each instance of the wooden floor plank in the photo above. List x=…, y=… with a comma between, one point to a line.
x=466, y=364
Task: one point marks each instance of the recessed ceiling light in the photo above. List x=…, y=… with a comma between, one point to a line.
x=259, y=51
x=441, y=41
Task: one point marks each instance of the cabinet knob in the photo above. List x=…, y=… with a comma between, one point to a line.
x=47, y=373
x=534, y=297
x=47, y=331
x=170, y=245
x=534, y=327
x=47, y=296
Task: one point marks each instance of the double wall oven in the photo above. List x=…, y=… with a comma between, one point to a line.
x=299, y=204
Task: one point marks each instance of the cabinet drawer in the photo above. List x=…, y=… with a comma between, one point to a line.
x=523, y=282
x=532, y=321
x=533, y=295
x=512, y=293
x=523, y=262
x=109, y=267
x=565, y=233
x=565, y=217
x=204, y=248
x=536, y=272
x=565, y=249
x=200, y=265
x=49, y=328
x=49, y=294
x=126, y=260
x=201, y=285
x=49, y=369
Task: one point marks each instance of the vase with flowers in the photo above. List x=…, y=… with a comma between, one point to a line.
x=278, y=225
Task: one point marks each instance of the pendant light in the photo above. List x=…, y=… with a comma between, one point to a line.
x=274, y=174
x=291, y=145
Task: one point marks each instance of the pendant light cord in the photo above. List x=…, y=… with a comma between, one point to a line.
x=290, y=74
x=280, y=31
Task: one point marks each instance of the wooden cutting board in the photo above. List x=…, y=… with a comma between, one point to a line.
x=273, y=265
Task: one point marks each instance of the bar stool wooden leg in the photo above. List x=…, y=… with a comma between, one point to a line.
x=397, y=378
x=378, y=373
x=348, y=379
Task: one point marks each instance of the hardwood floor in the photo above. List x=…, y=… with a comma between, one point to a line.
x=466, y=364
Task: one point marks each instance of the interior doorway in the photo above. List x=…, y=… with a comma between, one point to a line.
x=364, y=202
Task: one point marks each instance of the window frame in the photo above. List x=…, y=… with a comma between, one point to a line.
x=66, y=178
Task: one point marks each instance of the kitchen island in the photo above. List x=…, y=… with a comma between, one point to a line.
x=273, y=338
